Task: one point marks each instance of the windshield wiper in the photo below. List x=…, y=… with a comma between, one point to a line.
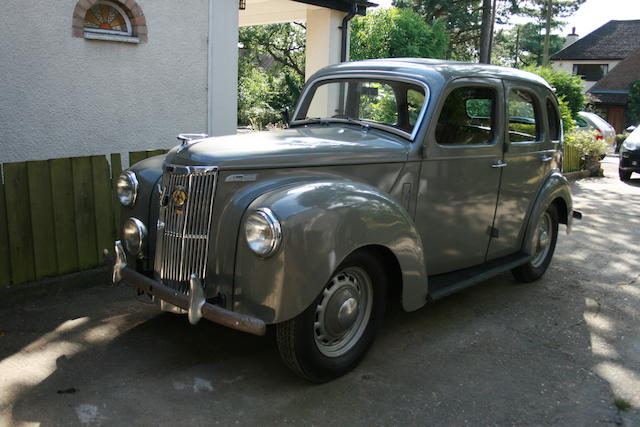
x=352, y=121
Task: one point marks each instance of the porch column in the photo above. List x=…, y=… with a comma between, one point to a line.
x=222, y=96
x=323, y=39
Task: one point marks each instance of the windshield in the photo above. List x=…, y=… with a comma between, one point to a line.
x=381, y=103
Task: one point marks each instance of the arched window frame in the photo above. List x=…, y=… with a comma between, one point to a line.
x=131, y=12
x=125, y=16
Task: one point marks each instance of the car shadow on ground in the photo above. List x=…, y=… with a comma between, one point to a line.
x=498, y=353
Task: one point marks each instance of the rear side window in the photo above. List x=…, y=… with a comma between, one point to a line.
x=467, y=117
x=554, y=121
x=524, y=125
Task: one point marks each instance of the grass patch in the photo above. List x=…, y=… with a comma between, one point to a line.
x=622, y=404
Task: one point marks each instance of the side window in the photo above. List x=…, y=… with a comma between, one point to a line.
x=554, y=121
x=467, y=117
x=523, y=122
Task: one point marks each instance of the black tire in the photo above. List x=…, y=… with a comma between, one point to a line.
x=301, y=341
x=624, y=176
x=537, y=266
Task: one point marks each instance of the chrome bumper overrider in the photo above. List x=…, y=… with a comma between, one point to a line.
x=194, y=303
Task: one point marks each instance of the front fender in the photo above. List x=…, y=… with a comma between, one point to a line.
x=322, y=223
x=555, y=189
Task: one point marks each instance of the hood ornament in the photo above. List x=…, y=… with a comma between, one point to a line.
x=186, y=138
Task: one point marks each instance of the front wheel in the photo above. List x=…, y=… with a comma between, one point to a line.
x=624, y=176
x=332, y=335
x=544, y=238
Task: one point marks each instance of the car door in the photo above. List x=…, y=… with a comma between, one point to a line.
x=530, y=154
x=460, y=174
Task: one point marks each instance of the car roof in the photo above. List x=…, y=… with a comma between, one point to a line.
x=426, y=67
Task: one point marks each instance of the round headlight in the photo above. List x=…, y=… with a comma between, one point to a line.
x=134, y=234
x=127, y=188
x=263, y=232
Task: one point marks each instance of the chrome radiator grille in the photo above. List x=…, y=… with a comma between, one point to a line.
x=184, y=223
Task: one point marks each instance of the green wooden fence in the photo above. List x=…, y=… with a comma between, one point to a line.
x=572, y=160
x=56, y=216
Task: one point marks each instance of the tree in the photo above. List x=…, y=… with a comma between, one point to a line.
x=547, y=14
x=522, y=45
x=462, y=20
x=270, y=71
x=393, y=33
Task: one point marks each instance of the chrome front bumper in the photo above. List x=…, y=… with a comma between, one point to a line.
x=195, y=303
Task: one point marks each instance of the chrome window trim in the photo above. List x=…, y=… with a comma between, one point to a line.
x=391, y=76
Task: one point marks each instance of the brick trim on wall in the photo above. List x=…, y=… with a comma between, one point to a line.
x=131, y=8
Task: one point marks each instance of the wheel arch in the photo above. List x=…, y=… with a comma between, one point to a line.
x=556, y=191
x=323, y=222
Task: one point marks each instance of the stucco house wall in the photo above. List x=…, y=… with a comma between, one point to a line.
x=63, y=96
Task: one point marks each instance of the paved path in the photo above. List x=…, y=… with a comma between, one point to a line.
x=559, y=351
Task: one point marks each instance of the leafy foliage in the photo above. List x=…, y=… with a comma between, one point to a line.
x=633, y=105
x=394, y=33
x=585, y=141
x=462, y=19
x=565, y=115
x=567, y=86
x=270, y=71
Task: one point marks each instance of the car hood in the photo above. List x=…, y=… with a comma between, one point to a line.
x=300, y=146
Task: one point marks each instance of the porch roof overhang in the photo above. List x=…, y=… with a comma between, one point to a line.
x=261, y=12
x=359, y=7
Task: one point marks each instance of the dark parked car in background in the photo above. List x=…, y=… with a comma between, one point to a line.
x=630, y=155
x=417, y=176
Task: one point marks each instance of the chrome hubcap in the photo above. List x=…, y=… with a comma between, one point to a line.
x=542, y=240
x=343, y=312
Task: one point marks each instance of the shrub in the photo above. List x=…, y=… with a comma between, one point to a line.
x=567, y=86
x=586, y=143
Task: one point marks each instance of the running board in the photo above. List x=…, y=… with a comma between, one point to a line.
x=446, y=284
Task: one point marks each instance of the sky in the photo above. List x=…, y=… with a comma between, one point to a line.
x=591, y=15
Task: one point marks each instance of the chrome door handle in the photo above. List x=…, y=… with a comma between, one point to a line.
x=499, y=164
x=546, y=159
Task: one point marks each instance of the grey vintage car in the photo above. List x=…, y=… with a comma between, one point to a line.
x=417, y=176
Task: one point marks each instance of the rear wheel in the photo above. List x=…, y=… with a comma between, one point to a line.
x=332, y=335
x=544, y=240
x=624, y=176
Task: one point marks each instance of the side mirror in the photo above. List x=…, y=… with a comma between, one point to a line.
x=285, y=115
x=630, y=128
